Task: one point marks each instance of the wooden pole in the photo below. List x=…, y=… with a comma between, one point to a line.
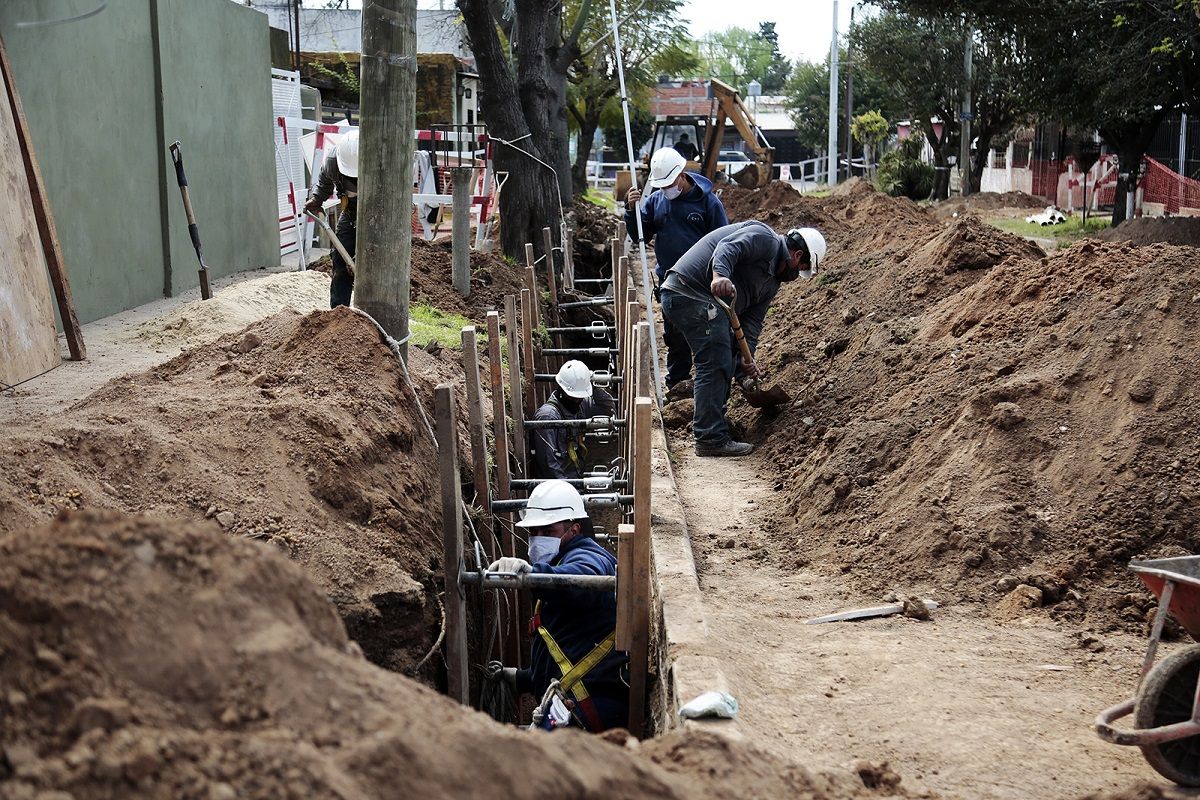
x=551, y=274
x=475, y=416
x=509, y=623
x=618, y=287
x=643, y=370
x=627, y=362
x=388, y=115
x=527, y=357
x=568, y=261
x=457, y=684
x=461, y=230
x=531, y=282
x=514, y=384
x=47, y=231
x=639, y=649
x=625, y=571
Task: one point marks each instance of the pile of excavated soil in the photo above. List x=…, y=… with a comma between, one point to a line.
x=593, y=229
x=1148, y=230
x=972, y=415
x=157, y=658
x=202, y=321
x=986, y=201
x=299, y=431
x=430, y=279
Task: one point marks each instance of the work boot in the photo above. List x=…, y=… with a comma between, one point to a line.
x=730, y=448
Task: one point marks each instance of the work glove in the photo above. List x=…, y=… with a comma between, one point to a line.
x=509, y=564
x=313, y=207
x=496, y=671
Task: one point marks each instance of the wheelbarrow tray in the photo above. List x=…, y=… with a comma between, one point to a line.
x=1185, y=600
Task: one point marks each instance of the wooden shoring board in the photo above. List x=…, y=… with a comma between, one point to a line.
x=457, y=682
x=639, y=649
x=511, y=644
x=513, y=334
x=43, y=216
x=632, y=314
x=528, y=359
x=479, y=459
x=624, y=587
x=551, y=276
x=531, y=284
x=568, y=261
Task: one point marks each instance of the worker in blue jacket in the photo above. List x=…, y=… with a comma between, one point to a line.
x=681, y=209
x=573, y=630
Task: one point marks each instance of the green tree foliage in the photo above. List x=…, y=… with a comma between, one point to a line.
x=870, y=130
x=738, y=56
x=641, y=125
x=902, y=173
x=807, y=102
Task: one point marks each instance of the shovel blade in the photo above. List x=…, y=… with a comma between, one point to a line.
x=767, y=398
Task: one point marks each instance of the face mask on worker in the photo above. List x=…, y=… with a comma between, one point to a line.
x=671, y=192
x=797, y=261
x=543, y=548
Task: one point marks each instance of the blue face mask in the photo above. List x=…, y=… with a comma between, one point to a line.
x=543, y=548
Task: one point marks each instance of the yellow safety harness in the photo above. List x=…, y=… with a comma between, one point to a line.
x=573, y=674
x=576, y=448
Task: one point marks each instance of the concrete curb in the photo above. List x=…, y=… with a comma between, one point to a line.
x=684, y=671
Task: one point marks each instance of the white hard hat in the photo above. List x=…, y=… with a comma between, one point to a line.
x=575, y=379
x=812, y=240
x=550, y=502
x=666, y=165
x=347, y=153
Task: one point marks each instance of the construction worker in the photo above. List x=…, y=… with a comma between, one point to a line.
x=751, y=258
x=560, y=452
x=339, y=174
x=685, y=148
x=680, y=210
x=573, y=630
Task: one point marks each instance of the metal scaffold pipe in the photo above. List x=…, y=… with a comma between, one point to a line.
x=537, y=580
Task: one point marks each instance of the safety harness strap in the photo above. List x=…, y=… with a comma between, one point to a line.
x=573, y=674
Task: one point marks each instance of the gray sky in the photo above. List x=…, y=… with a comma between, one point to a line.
x=804, y=26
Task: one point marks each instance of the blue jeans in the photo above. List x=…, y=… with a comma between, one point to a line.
x=710, y=339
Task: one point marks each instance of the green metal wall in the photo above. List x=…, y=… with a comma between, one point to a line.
x=91, y=91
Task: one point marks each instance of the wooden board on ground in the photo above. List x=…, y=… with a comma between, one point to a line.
x=28, y=339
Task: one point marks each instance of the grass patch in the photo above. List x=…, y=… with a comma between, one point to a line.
x=427, y=323
x=602, y=198
x=1069, y=231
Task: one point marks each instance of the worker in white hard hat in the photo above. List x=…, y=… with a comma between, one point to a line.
x=575, y=629
x=748, y=259
x=339, y=174
x=560, y=452
x=679, y=209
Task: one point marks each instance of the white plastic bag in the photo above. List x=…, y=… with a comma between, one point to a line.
x=711, y=704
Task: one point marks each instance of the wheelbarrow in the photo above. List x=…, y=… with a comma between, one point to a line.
x=1166, y=705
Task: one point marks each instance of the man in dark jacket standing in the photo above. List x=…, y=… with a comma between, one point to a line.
x=753, y=259
x=573, y=630
x=560, y=452
x=339, y=174
x=680, y=210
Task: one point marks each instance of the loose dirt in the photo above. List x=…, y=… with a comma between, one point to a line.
x=974, y=415
x=593, y=228
x=299, y=431
x=987, y=201
x=158, y=658
x=1148, y=230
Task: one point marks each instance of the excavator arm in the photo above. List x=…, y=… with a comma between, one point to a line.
x=730, y=108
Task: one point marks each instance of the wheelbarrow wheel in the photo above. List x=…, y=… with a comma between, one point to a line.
x=1166, y=696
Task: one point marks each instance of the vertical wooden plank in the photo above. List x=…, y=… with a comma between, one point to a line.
x=624, y=587
x=456, y=610
x=618, y=288
x=640, y=645
x=531, y=282
x=508, y=624
x=520, y=453
x=643, y=370
x=475, y=415
x=527, y=356
x=628, y=359
x=47, y=231
x=622, y=235
x=551, y=274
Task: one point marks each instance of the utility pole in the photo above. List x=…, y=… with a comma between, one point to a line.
x=833, y=99
x=388, y=114
x=964, y=158
x=295, y=24
x=849, y=98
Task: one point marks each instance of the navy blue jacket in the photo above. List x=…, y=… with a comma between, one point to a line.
x=578, y=620
x=676, y=225
x=748, y=253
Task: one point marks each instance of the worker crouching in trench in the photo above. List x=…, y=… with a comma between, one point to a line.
x=573, y=631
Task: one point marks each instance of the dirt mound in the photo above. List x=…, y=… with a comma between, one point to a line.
x=1148, y=230
x=429, y=281
x=299, y=431
x=202, y=321
x=593, y=228
x=986, y=201
x=156, y=658
x=742, y=204
x=970, y=410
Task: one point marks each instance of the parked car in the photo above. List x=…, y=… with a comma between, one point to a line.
x=731, y=162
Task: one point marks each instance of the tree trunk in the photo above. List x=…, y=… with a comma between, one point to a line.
x=583, y=149
x=516, y=110
x=979, y=161
x=941, y=175
x=1131, y=141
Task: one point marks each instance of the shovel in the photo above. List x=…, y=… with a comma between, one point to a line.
x=756, y=395
x=333, y=240
x=193, y=229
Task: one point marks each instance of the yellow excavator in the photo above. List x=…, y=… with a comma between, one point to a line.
x=708, y=132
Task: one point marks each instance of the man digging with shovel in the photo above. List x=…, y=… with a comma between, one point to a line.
x=746, y=262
